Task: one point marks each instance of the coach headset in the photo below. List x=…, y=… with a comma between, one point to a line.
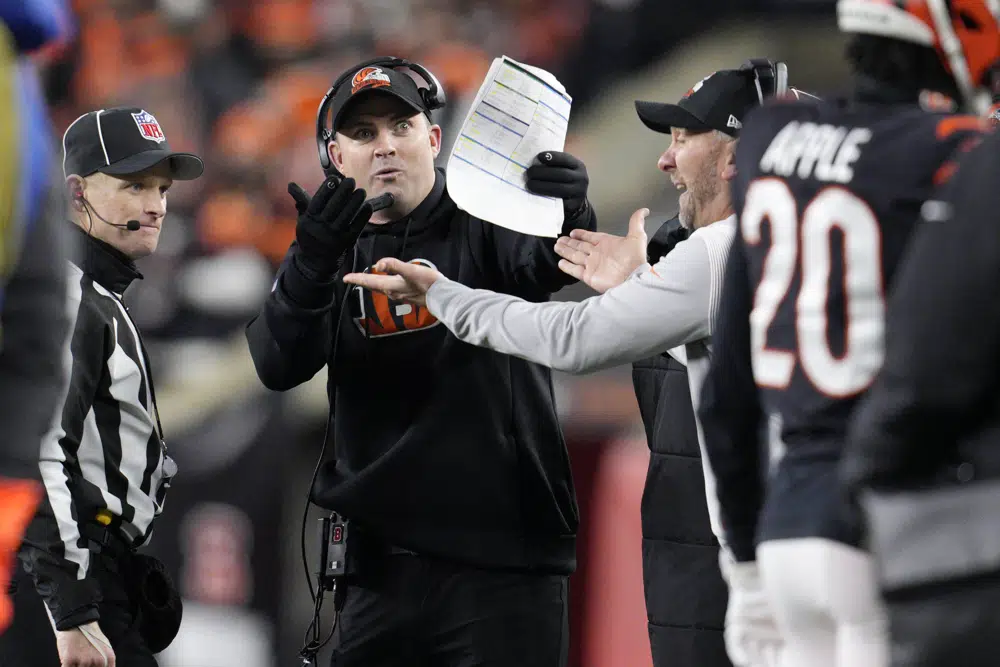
x=433, y=97
x=770, y=78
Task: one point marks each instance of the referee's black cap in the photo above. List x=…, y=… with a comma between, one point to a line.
x=122, y=141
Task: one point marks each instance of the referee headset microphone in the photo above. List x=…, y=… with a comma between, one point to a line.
x=131, y=225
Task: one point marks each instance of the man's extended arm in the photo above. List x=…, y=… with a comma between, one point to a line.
x=290, y=338
x=656, y=309
x=529, y=264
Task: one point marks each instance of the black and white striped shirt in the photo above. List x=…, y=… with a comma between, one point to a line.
x=104, y=453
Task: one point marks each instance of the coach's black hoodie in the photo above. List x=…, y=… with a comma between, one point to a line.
x=441, y=447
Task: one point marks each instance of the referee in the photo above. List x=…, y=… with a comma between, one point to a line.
x=104, y=464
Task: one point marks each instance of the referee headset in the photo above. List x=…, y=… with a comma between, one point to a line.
x=432, y=95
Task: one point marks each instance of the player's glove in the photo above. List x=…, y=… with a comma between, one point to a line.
x=560, y=175
x=751, y=634
x=329, y=224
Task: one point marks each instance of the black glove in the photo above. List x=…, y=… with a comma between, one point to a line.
x=329, y=223
x=555, y=174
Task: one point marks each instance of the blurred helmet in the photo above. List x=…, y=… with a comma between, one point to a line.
x=964, y=33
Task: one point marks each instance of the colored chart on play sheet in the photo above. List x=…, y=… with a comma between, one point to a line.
x=518, y=112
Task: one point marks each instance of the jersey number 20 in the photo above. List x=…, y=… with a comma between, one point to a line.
x=805, y=242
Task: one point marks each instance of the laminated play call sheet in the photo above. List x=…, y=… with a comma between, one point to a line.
x=518, y=112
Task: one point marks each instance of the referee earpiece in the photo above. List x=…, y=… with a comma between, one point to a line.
x=77, y=197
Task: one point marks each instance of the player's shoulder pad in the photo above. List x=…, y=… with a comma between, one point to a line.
x=948, y=125
x=981, y=156
x=970, y=183
x=955, y=135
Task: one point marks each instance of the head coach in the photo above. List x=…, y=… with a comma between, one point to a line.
x=449, y=462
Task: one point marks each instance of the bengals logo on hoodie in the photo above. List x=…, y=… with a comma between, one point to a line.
x=381, y=316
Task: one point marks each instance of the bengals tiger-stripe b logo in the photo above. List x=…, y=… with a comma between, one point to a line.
x=381, y=316
x=369, y=77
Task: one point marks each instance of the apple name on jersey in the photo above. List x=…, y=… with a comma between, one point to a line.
x=808, y=150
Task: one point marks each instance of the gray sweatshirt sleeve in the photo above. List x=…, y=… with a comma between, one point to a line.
x=657, y=308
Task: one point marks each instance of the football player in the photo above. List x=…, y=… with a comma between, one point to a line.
x=33, y=323
x=922, y=445
x=827, y=197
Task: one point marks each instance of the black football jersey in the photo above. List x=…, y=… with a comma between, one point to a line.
x=828, y=196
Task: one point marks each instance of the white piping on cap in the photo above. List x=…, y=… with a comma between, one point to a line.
x=64, y=141
x=100, y=135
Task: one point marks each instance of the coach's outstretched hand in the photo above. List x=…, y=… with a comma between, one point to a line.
x=604, y=260
x=398, y=280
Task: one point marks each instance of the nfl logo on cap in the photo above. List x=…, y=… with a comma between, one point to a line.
x=148, y=127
